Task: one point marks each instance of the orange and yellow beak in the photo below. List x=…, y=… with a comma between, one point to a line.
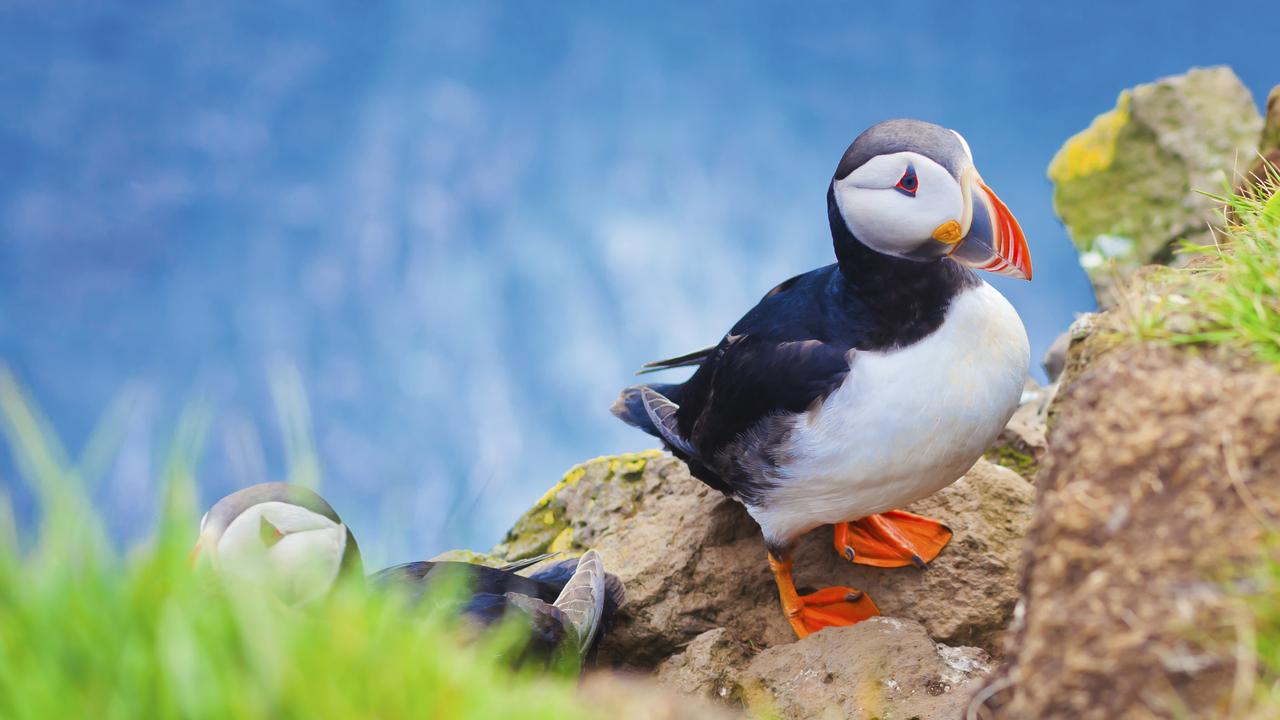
x=988, y=237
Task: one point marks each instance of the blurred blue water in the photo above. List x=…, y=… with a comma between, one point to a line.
x=466, y=224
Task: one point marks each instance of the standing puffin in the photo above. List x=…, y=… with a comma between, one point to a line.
x=860, y=387
x=289, y=539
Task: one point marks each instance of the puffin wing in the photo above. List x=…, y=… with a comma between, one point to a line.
x=759, y=375
x=788, y=353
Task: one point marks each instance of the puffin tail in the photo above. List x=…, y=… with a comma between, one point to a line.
x=652, y=409
x=629, y=407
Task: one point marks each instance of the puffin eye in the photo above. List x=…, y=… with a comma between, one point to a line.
x=908, y=184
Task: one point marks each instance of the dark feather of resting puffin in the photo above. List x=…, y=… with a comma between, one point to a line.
x=491, y=593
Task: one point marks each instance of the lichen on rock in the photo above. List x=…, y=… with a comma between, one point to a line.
x=1021, y=444
x=549, y=525
x=1129, y=187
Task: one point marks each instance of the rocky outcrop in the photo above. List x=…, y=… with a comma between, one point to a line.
x=881, y=668
x=1157, y=487
x=1163, y=142
x=693, y=560
x=702, y=609
x=1155, y=494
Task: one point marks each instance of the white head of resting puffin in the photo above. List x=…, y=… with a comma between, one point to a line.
x=855, y=389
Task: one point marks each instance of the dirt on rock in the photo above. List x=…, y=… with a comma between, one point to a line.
x=1021, y=445
x=882, y=668
x=1154, y=496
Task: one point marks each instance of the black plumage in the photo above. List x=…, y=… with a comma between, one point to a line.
x=489, y=594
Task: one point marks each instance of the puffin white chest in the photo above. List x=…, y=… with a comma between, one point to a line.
x=905, y=422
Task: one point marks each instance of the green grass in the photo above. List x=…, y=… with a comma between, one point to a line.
x=1228, y=297
x=1235, y=292
x=88, y=632
x=1257, y=634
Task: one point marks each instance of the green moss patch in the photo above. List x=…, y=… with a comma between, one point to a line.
x=547, y=526
x=1019, y=462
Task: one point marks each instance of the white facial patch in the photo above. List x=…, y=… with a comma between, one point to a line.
x=291, y=550
x=888, y=220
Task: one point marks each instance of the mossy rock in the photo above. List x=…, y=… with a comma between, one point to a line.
x=468, y=556
x=1020, y=462
x=1129, y=187
x=549, y=525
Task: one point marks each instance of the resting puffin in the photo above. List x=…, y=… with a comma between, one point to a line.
x=860, y=387
x=289, y=538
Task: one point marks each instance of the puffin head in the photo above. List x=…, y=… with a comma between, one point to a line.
x=909, y=189
x=283, y=536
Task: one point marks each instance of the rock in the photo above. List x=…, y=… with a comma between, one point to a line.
x=562, y=510
x=1055, y=358
x=882, y=668
x=693, y=560
x=710, y=666
x=467, y=556
x=1126, y=187
x=1021, y=444
x=1090, y=336
x=1271, y=123
x=1153, y=504
x=633, y=697
x=1268, y=149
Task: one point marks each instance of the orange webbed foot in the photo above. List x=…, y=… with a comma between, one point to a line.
x=828, y=607
x=892, y=539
